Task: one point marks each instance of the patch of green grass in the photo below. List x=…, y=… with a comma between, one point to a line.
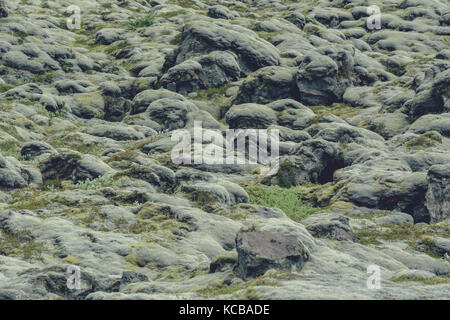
x=5, y=87
x=146, y=21
x=288, y=200
x=94, y=184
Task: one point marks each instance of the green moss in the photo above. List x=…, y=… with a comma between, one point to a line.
x=245, y=289
x=288, y=200
x=176, y=40
x=215, y=96
x=323, y=195
x=47, y=77
x=265, y=35
x=338, y=109
x=204, y=197
x=424, y=141
x=30, y=201
x=171, y=14
x=427, y=281
x=5, y=87
x=185, y=3
x=85, y=215
x=413, y=234
x=95, y=184
x=132, y=257
x=76, y=142
x=212, y=92
x=10, y=148
x=20, y=244
x=71, y=260
x=286, y=175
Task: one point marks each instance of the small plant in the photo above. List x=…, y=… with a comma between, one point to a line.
x=95, y=184
x=146, y=21
x=136, y=203
x=122, y=182
x=289, y=200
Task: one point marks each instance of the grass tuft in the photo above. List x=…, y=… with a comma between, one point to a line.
x=289, y=200
x=146, y=21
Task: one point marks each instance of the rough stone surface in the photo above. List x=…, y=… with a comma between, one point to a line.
x=89, y=117
x=264, y=250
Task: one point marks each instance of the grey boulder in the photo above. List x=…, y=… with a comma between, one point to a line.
x=259, y=251
x=72, y=165
x=438, y=194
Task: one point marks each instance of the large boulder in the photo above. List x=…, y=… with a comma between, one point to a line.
x=259, y=251
x=268, y=84
x=169, y=113
x=292, y=114
x=35, y=149
x=319, y=81
x=107, y=36
x=311, y=161
x=431, y=96
x=208, y=71
x=3, y=9
x=384, y=184
x=296, y=18
x=143, y=99
x=438, y=194
x=250, y=116
x=13, y=175
x=72, y=165
x=161, y=177
x=329, y=225
x=221, y=12
x=203, y=37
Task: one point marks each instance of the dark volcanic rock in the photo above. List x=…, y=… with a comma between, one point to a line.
x=438, y=194
x=71, y=165
x=259, y=251
x=332, y=226
x=319, y=81
x=202, y=37
x=3, y=10
x=35, y=149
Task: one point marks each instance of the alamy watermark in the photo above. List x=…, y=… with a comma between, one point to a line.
x=374, y=280
x=374, y=19
x=73, y=277
x=239, y=147
x=74, y=21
